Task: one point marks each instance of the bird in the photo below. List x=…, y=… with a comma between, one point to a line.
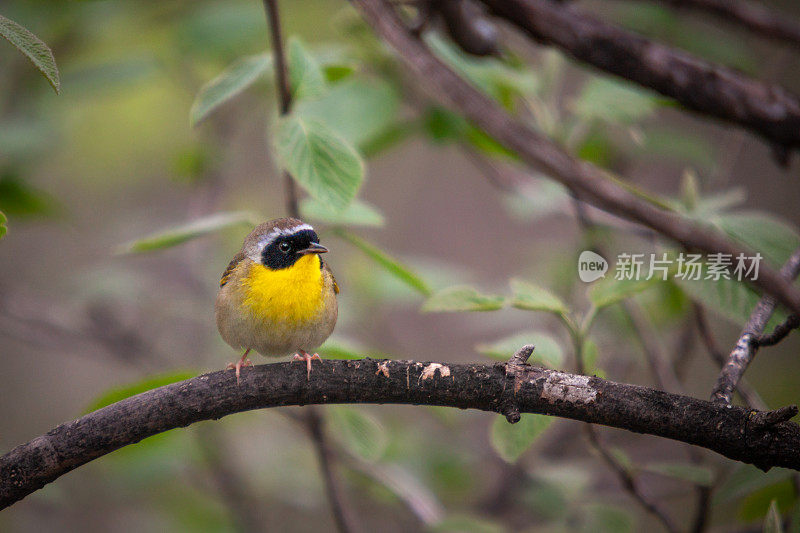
x=277, y=295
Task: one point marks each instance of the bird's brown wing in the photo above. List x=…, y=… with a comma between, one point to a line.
x=231, y=266
x=327, y=269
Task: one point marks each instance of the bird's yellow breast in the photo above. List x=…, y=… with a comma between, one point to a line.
x=289, y=295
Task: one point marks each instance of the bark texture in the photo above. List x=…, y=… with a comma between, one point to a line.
x=760, y=438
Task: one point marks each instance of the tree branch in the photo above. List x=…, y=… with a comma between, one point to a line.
x=745, y=350
x=713, y=90
x=724, y=429
x=588, y=182
x=749, y=15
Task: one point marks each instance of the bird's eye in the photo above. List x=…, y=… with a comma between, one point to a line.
x=285, y=247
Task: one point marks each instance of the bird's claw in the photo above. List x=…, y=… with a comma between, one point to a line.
x=244, y=361
x=307, y=357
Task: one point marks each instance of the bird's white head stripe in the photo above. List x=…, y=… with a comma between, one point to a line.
x=270, y=237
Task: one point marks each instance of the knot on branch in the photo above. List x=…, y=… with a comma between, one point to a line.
x=759, y=425
x=514, y=367
x=760, y=421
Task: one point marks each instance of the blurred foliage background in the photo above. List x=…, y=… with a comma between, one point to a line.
x=128, y=192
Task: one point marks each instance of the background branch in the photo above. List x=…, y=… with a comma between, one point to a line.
x=724, y=429
x=586, y=181
x=713, y=90
x=284, y=93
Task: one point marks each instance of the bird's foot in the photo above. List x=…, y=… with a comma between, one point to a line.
x=244, y=361
x=303, y=355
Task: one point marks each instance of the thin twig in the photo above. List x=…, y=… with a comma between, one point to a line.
x=745, y=350
x=623, y=474
x=662, y=371
x=588, y=182
x=701, y=513
x=779, y=333
x=418, y=498
x=284, y=93
x=341, y=513
x=748, y=394
x=232, y=487
x=627, y=480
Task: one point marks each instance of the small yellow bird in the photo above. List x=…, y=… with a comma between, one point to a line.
x=277, y=296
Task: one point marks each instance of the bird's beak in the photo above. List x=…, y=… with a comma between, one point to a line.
x=313, y=248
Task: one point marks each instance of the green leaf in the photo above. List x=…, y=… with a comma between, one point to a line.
x=548, y=351
x=537, y=198
x=392, y=265
x=534, y=298
x=461, y=298
x=358, y=431
x=747, y=479
x=358, y=213
x=591, y=353
x=794, y=518
x=442, y=125
x=186, y=232
x=773, y=522
x=510, y=441
x=762, y=232
x=690, y=190
x=33, y=48
x=697, y=474
x=714, y=204
x=622, y=458
x=231, y=82
x=466, y=524
x=358, y=110
x=602, y=518
x=20, y=199
x=496, y=78
x=731, y=299
x=117, y=394
x=678, y=145
x=3, y=227
x=609, y=100
x=306, y=78
x=320, y=160
x=609, y=291
x=338, y=347
x=755, y=506
x=335, y=72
